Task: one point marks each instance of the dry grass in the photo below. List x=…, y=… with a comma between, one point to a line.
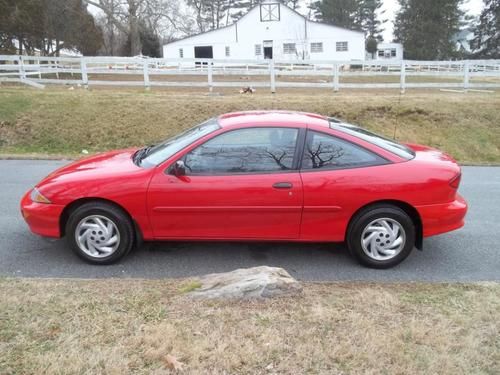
x=60, y=121
x=129, y=326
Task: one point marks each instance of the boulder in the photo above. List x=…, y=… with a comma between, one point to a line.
x=244, y=283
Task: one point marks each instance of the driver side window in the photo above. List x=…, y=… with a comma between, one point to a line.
x=252, y=150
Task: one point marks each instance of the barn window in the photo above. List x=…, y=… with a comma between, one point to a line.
x=228, y=51
x=342, y=47
x=381, y=53
x=258, y=50
x=393, y=52
x=316, y=47
x=181, y=53
x=288, y=48
x=269, y=12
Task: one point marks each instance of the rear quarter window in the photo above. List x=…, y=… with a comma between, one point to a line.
x=323, y=151
x=387, y=144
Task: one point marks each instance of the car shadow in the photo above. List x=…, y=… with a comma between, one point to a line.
x=305, y=261
x=198, y=258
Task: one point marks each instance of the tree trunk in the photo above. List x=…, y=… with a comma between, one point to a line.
x=135, y=38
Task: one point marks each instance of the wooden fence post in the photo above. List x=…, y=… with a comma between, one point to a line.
x=85, y=78
x=145, y=69
x=210, y=77
x=402, y=81
x=272, y=76
x=336, y=77
x=22, y=73
x=39, y=69
x=466, y=75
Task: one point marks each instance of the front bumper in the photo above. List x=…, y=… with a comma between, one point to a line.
x=43, y=219
x=442, y=218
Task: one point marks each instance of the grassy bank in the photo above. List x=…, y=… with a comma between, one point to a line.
x=130, y=326
x=62, y=121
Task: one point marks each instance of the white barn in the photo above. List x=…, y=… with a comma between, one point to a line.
x=272, y=30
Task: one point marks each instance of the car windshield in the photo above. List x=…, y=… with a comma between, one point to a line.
x=385, y=143
x=163, y=151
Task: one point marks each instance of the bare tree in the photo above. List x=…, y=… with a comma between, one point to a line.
x=128, y=15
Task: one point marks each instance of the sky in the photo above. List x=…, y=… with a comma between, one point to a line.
x=472, y=7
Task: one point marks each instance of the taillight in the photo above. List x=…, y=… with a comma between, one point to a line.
x=455, y=181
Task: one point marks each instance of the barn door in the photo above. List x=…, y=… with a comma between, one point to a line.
x=268, y=49
x=203, y=52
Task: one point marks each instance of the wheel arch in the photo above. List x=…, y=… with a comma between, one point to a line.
x=71, y=207
x=406, y=207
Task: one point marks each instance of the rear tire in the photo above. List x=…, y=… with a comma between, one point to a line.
x=100, y=233
x=381, y=236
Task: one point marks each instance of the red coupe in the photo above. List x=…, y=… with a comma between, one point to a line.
x=254, y=176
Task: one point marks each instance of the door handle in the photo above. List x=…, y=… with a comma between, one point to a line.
x=283, y=185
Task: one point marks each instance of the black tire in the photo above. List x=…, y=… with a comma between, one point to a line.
x=112, y=213
x=367, y=216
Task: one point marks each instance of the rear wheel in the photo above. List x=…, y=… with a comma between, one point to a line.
x=381, y=236
x=100, y=233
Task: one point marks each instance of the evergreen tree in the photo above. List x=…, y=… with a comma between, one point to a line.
x=371, y=45
x=486, y=43
x=150, y=42
x=426, y=27
x=47, y=26
x=342, y=13
x=370, y=22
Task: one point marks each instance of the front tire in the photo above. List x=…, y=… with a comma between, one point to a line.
x=100, y=233
x=381, y=236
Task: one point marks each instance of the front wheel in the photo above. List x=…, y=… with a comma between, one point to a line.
x=100, y=233
x=381, y=236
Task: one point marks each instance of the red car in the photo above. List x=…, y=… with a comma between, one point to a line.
x=263, y=176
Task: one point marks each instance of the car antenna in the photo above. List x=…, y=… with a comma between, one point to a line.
x=396, y=123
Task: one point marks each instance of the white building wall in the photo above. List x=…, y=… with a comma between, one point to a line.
x=218, y=39
x=329, y=36
x=248, y=31
x=386, y=49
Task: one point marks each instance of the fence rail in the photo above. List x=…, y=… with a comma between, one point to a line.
x=38, y=71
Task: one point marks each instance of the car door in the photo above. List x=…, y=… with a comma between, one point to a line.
x=338, y=177
x=240, y=184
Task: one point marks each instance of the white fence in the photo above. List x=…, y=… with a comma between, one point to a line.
x=38, y=71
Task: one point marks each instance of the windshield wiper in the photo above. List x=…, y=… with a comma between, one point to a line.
x=142, y=153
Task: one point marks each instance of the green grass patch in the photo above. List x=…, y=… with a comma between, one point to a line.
x=58, y=121
x=190, y=286
x=11, y=105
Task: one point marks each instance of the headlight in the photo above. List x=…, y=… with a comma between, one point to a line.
x=36, y=196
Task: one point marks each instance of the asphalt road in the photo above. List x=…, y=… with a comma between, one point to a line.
x=470, y=254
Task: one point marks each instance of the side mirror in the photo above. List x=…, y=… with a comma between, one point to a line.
x=179, y=168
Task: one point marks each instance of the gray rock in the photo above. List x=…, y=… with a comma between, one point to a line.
x=244, y=283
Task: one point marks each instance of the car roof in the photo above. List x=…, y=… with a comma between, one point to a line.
x=272, y=117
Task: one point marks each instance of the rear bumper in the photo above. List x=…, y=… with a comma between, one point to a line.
x=442, y=218
x=43, y=219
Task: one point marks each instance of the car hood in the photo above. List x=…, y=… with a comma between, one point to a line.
x=97, y=166
x=111, y=175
